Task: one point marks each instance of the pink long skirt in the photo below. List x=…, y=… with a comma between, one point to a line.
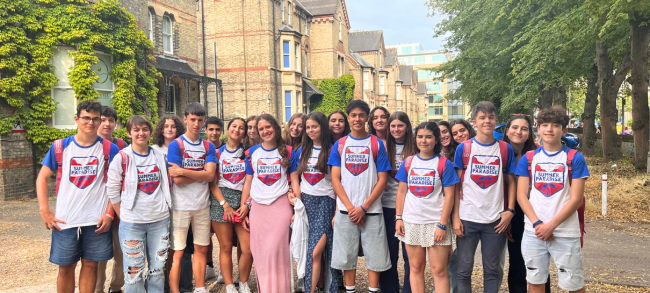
x=270, y=233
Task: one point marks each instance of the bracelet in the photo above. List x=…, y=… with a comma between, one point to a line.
x=442, y=227
x=537, y=223
x=109, y=215
x=398, y=220
x=398, y=217
x=364, y=210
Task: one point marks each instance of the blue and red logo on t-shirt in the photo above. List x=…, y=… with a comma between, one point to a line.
x=269, y=170
x=357, y=159
x=83, y=171
x=313, y=175
x=194, y=160
x=485, y=170
x=234, y=170
x=148, y=178
x=422, y=182
x=549, y=178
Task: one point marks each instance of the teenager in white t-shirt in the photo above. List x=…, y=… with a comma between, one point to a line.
x=483, y=215
x=191, y=172
x=267, y=184
x=82, y=222
x=552, y=227
x=139, y=189
x=227, y=208
x=358, y=180
x=311, y=180
x=423, y=210
x=400, y=144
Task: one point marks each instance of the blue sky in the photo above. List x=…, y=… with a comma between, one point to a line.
x=403, y=21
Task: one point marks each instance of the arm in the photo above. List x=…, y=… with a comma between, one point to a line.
x=41, y=193
x=340, y=193
x=506, y=216
x=399, y=207
x=114, y=183
x=206, y=174
x=295, y=185
x=105, y=221
x=522, y=198
x=358, y=212
x=246, y=192
x=458, y=225
x=228, y=211
x=545, y=230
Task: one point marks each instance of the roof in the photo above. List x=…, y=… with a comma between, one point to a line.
x=406, y=74
x=287, y=29
x=422, y=88
x=399, y=80
x=302, y=7
x=310, y=89
x=391, y=57
x=320, y=7
x=177, y=67
x=360, y=60
x=365, y=41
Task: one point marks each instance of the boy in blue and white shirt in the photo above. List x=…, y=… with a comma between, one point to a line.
x=552, y=228
x=360, y=169
x=81, y=227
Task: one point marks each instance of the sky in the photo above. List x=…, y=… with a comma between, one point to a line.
x=403, y=21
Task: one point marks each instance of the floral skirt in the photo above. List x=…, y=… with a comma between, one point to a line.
x=424, y=235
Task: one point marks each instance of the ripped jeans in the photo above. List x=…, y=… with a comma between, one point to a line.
x=144, y=244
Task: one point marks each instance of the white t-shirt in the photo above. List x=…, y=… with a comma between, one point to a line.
x=482, y=189
x=312, y=181
x=150, y=205
x=389, y=195
x=194, y=196
x=269, y=177
x=425, y=195
x=82, y=199
x=359, y=170
x=161, y=149
x=551, y=190
x=232, y=167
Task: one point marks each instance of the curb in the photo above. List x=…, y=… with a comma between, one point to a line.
x=617, y=283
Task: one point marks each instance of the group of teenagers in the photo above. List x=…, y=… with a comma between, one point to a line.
x=365, y=179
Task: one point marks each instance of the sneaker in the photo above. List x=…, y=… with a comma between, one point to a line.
x=220, y=279
x=300, y=286
x=111, y=291
x=231, y=289
x=209, y=273
x=202, y=290
x=243, y=287
x=237, y=282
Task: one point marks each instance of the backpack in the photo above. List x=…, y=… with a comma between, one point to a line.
x=181, y=146
x=467, y=151
x=58, y=155
x=441, y=167
x=120, y=143
x=374, y=146
x=569, y=162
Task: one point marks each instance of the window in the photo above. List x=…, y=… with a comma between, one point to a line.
x=437, y=98
x=306, y=29
x=172, y=97
x=299, y=102
x=417, y=49
x=340, y=33
x=287, y=106
x=437, y=86
x=289, y=11
x=430, y=98
x=104, y=85
x=437, y=110
x=150, y=25
x=286, y=53
x=419, y=60
x=439, y=58
x=456, y=109
x=430, y=111
x=168, y=45
x=425, y=74
x=306, y=62
x=398, y=93
x=282, y=10
x=381, y=86
x=297, y=54
x=401, y=60
x=406, y=50
x=366, y=83
x=429, y=86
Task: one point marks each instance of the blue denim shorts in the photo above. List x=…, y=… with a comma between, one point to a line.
x=69, y=245
x=566, y=253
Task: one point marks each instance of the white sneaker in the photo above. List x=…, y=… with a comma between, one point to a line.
x=202, y=290
x=243, y=288
x=209, y=273
x=300, y=286
x=231, y=288
x=220, y=279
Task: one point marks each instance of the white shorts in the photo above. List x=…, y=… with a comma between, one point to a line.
x=566, y=253
x=181, y=220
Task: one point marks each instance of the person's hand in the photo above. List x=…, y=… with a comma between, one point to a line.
x=229, y=212
x=509, y=233
x=242, y=212
x=399, y=227
x=293, y=218
x=505, y=222
x=459, y=229
x=439, y=235
x=50, y=220
x=544, y=232
x=291, y=197
x=356, y=215
x=246, y=224
x=104, y=224
x=175, y=170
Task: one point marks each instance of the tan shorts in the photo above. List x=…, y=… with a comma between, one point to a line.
x=181, y=221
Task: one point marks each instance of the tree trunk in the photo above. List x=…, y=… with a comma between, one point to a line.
x=545, y=98
x=589, y=115
x=640, y=39
x=552, y=96
x=609, y=83
x=559, y=97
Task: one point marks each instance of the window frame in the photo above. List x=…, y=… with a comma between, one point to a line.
x=172, y=92
x=288, y=107
x=286, y=54
x=170, y=35
x=297, y=55
x=67, y=87
x=398, y=93
x=283, y=12
x=151, y=16
x=289, y=11
x=382, y=84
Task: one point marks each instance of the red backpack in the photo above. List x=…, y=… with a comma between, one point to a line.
x=181, y=146
x=569, y=162
x=119, y=143
x=467, y=150
x=374, y=146
x=441, y=167
x=58, y=155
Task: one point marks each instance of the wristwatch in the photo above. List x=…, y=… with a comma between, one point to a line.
x=223, y=202
x=512, y=211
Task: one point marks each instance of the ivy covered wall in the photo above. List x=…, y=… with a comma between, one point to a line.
x=31, y=29
x=337, y=93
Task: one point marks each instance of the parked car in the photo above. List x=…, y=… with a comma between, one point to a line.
x=570, y=139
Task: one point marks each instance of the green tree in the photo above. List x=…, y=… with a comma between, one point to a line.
x=337, y=92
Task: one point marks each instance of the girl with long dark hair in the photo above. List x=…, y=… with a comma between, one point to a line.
x=400, y=144
x=252, y=137
x=294, y=130
x=461, y=130
x=446, y=140
x=378, y=122
x=267, y=166
x=168, y=128
x=312, y=180
x=338, y=124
